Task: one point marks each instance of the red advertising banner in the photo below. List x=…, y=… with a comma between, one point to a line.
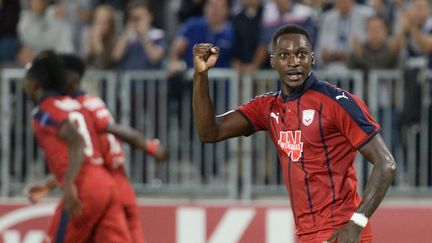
x=203, y=223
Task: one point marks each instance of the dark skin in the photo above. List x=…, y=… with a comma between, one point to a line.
x=125, y=133
x=68, y=133
x=292, y=58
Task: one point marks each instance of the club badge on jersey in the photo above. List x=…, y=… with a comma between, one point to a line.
x=308, y=117
x=290, y=142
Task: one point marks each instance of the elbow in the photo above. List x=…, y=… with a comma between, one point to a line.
x=390, y=168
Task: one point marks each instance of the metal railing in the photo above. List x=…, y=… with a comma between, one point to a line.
x=244, y=167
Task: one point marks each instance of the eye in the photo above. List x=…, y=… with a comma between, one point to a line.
x=301, y=54
x=283, y=55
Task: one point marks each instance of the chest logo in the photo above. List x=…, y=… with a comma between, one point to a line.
x=290, y=143
x=275, y=116
x=308, y=117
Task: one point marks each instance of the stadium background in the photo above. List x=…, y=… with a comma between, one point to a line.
x=227, y=192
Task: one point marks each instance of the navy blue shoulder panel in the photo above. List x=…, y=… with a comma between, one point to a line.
x=346, y=101
x=44, y=118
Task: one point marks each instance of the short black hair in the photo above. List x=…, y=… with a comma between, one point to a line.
x=48, y=70
x=74, y=63
x=290, y=29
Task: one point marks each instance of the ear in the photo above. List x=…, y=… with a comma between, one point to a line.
x=272, y=61
x=313, y=57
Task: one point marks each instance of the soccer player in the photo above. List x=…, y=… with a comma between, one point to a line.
x=316, y=129
x=111, y=148
x=90, y=209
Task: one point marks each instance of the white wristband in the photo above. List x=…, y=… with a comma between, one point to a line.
x=359, y=219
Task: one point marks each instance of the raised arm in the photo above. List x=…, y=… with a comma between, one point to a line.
x=69, y=133
x=211, y=128
x=376, y=152
x=136, y=139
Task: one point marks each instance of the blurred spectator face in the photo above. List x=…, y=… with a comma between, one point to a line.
x=251, y=3
x=104, y=19
x=38, y=6
x=420, y=11
x=216, y=11
x=140, y=15
x=283, y=5
x=377, y=31
x=344, y=6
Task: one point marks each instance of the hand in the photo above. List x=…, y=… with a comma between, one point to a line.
x=36, y=192
x=205, y=56
x=349, y=233
x=155, y=149
x=71, y=202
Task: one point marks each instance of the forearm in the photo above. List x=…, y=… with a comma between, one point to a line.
x=203, y=109
x=377, y=186
x=154, y=52
x=129, y=135
x=76, y=158
x=119, y=49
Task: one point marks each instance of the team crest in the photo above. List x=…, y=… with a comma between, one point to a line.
x=291, y=144
x=308, y=117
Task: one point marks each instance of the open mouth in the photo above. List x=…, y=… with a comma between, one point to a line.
x=294, y=75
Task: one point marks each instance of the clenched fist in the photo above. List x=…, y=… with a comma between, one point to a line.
x=205, y=56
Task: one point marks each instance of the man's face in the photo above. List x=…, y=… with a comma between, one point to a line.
x=293, y=58
x=216, y=11
x=30, y=88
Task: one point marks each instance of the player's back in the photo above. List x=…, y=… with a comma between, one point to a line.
x=50, y=113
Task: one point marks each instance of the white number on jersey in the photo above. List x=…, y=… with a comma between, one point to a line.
x=115, y=146
x=78, y=119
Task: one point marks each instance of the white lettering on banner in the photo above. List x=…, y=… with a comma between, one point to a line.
x=23, y=214
x=190, y=225
x=232, y=225
x=279, y=226
x=33, y=236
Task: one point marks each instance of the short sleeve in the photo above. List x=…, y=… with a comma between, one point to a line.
x=354, y=120
x=253, y=112
x=99, y=113
x=50, y=117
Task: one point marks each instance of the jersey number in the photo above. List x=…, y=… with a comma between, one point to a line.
x=78, y=119
x=115, y=146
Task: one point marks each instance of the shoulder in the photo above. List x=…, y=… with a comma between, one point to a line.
x=194, y=22
x=265, y=99
x=91, y=102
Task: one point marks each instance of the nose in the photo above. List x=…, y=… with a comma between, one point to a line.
x=293, y=60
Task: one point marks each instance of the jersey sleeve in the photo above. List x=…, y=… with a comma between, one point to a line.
x=354, y=121
x=49, y=117
x=253, y=112
x=99, y=112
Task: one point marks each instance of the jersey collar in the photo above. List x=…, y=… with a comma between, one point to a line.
x=78, y=93
x=310, y=80
x=47, y=94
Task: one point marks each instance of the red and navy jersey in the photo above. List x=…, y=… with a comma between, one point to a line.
x=317, y=132
x=51, y=112
x=111, y=148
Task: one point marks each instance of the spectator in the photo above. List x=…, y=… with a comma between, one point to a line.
x=140, y=46
x=247, y=25
x=39, y=28
x=190, y=8
x=276, y=14
x=9, y=16
x=99, y=39
x=338, y=28
x=213, y=27
x=416, y=38
x=77, y=13
x=379, y=51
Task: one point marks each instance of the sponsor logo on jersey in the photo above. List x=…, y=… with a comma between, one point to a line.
x=308, y=117
x=291, y=143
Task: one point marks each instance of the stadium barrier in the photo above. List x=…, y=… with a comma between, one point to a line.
x=241, y=168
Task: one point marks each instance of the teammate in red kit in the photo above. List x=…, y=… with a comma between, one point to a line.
x=316, y=129
x=111, y=148
x=90, y=210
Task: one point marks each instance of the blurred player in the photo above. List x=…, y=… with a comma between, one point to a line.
x=111, y=148
x=90, y=210
x=317, y=129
